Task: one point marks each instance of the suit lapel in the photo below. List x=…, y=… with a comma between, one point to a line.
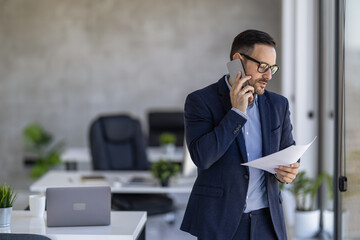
x=264, y=110
x=240, y=140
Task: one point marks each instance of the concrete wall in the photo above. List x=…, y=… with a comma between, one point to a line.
x=64, y=62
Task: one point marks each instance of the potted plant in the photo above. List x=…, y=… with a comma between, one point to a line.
x=163, y=170
x=307, y=217
x=41, y=149
x=168, y=140
x=7, y=198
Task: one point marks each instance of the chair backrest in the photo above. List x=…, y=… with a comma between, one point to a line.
x=117, y=143
x=166, y=121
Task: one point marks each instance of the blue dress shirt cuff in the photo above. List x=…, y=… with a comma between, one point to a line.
x=239, y=112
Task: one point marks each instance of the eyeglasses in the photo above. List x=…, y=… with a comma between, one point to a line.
x=263, y=67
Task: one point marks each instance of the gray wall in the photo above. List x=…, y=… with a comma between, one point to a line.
x=64, y=62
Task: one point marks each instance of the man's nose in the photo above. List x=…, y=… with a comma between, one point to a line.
x=267, y=75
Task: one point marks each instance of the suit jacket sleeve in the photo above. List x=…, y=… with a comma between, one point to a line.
x=208, y=138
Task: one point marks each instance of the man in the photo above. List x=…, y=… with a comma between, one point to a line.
x=227, y=125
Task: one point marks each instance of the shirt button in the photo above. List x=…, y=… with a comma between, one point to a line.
x=246, y=176
x=247, y=133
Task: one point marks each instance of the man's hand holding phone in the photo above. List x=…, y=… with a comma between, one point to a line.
x=241, y=96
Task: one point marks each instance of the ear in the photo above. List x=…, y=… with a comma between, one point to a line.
x=236, y=56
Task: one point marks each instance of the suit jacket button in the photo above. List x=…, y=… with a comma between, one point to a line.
x=246, y=176
x=237, y=129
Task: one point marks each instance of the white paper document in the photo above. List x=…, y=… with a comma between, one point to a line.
x=284, y=157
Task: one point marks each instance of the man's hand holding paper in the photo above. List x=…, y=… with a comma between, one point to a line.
x=287, y=174
x=283, y=163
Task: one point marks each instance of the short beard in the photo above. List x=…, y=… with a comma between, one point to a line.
x=259, y=90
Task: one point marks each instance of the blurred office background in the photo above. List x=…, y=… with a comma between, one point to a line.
x=63, y=63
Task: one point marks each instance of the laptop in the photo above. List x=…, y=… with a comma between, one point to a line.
x=78, y=206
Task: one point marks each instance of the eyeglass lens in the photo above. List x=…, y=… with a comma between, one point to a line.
x=263, y=67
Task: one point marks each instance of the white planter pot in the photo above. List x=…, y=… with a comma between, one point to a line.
x=5, y=216
x=328, y=221
x=307, y=223
x=169, y=150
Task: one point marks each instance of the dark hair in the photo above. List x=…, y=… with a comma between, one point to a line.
x=244, y=41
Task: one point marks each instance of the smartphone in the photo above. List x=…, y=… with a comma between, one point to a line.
x=234, y=67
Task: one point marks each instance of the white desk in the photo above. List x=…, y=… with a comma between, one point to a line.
x=78, y=155
x=72, y=156
x=117, y=180
x=156, y=153
x=124, y=226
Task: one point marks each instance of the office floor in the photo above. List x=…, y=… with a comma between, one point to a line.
x=157, y=228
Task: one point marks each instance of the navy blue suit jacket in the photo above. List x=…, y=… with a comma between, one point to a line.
x=216, y=145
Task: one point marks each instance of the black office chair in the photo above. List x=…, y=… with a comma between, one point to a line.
x=165, y=121
x=22, y=236
x=117, y=143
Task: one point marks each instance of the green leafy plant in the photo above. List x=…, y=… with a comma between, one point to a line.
x=40, y=143
x=163, y=170
x=329, y=182
x=7, y=196
x=167, y=138
x=304, y=188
